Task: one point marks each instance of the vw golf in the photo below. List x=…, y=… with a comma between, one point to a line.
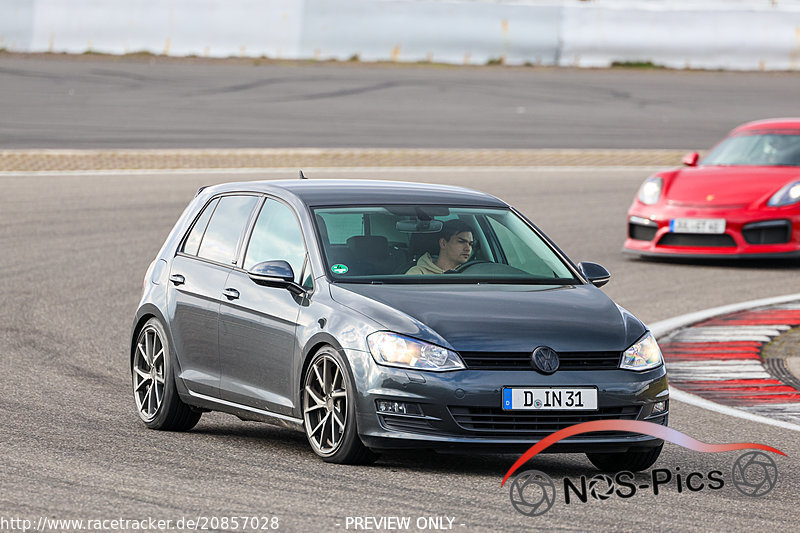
x=378, y=315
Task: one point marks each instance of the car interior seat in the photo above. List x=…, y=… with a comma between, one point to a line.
x=371, y=254
x=418, y=245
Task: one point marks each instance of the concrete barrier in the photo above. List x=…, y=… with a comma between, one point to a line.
x=736, y=36
x=730, y=34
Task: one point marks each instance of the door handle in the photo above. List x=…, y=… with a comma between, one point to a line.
x=177, y=279
x=230, y=294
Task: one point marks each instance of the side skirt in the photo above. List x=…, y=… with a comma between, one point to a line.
x=244, y=412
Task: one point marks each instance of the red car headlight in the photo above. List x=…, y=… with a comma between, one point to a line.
x=787, y=195
x=650, y=191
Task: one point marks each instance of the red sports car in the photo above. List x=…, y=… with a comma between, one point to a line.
x=741, y=200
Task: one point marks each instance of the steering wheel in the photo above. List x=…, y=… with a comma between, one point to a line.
x=469, y=264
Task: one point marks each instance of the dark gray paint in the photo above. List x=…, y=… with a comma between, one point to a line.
x=266, y=334
x=506, y=319
x=257, y=340
x=194, y=309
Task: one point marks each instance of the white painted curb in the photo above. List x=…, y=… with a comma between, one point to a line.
x=665, y=327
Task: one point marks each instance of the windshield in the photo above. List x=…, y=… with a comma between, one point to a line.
x=435, y=244
x=757, y=149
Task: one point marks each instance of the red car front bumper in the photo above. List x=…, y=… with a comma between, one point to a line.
x=748, y=233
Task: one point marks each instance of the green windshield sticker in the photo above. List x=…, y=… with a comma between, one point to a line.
x=339, y=269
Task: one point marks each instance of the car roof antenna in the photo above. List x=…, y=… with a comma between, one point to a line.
x=302, y=176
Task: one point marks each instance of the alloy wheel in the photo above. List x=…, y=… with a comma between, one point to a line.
x=325, y=404
x=148, y=373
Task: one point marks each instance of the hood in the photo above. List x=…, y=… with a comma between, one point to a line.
x=717, y=186
x=508, y=318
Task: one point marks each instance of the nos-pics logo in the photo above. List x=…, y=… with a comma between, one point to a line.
x=533, y=492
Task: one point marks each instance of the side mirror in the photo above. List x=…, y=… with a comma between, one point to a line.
x=596, y=274
x=690, y=160
x=275, y=274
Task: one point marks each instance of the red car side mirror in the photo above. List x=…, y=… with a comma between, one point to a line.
x=690, y=160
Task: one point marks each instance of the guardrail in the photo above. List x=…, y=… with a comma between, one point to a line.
x=737, y=35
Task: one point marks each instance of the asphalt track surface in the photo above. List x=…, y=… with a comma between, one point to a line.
x=107, y=102
x=75, y=250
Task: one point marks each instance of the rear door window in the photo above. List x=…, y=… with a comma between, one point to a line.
x=224, y=232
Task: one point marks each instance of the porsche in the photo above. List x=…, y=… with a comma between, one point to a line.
x=740, y=200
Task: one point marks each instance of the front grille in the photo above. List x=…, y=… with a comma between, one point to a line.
x=522, y=360
x=769, y=232
x=721, y=240
x=641, y=233
x=495, y=420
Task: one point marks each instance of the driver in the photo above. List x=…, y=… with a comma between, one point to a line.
x=778, y=148
x=455, y=249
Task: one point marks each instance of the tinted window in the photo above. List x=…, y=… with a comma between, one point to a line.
x=276, y=235
x=192, y=243
x=221, y=238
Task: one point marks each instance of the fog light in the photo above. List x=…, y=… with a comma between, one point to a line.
x=660, y=407
x=398, y=408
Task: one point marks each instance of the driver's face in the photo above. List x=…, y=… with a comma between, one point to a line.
x=458, y=249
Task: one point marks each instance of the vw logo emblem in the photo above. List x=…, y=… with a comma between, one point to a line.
x=545, y=359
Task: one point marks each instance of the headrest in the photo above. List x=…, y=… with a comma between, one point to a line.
x=369, y=246
x=423, y=242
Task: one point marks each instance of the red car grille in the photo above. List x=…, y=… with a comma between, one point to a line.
x=769, y=232
x=697, y=240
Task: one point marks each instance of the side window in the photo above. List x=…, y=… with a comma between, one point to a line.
x=192, y=243
x=221, y=239
x=276, y=235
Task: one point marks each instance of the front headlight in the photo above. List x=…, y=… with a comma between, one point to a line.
x=643, y=355
x=650, y=191
x=787, y=195
x=392, y=349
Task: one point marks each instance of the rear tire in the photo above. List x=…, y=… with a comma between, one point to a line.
x=329, y=411
x=631, y=461
x=153, y=380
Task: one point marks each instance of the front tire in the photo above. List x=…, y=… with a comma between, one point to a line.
x=153, y=380
x=631, y=461
x=329, y=413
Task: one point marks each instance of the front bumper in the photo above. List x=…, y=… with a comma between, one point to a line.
x=748, y=233
x=462, y=410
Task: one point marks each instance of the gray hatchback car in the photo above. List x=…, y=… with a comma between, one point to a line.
x=377, y=315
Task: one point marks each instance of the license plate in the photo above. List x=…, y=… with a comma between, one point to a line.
x=550, y=398
x=697, y=225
